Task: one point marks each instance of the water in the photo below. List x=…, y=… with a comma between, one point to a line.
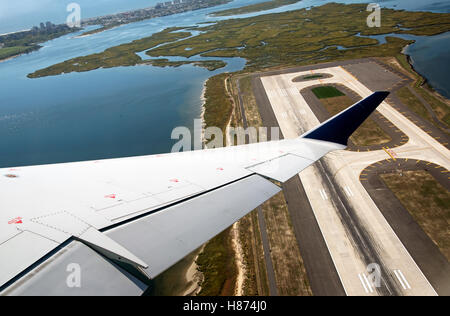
x=430, y=56
x=23, y=14
x=129, y=111
x=107, y=113
x=126, y=111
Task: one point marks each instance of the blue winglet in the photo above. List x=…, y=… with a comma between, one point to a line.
x=339, y=128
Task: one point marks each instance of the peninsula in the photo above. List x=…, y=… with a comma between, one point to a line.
x=17, y=43
x=14, y=44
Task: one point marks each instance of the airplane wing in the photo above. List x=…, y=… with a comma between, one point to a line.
x=108, y=227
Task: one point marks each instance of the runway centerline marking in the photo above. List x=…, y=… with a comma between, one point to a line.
x=401, y=278
x=365, y=283
x=348, y=191
x=323, y=194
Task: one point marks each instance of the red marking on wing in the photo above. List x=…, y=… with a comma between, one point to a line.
x=220, y=169
x=110, y=196
x=17, y=220
x=175, y=180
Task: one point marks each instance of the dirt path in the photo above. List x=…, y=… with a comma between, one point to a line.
x=237, y=247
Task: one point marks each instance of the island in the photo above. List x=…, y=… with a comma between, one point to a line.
x=210, y=65
x=125, y=55
x=327, y=33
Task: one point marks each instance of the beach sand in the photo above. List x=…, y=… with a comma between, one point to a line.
x=240, y=278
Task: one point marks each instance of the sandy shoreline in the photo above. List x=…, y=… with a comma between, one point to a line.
x=239, y=290
x=193, y=276
x=12, y=57
x=202, y=115
x=235, y=240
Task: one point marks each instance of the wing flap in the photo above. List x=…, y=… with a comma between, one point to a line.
x=283, y=168
x=167, y=236
x=77, y=270
x=20, y=252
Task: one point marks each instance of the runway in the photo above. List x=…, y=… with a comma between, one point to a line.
x=361, y=241
x=322, y=275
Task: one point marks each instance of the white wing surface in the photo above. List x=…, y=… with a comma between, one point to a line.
x=119, y=223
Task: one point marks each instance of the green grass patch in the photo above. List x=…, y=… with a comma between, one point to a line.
x=249, y=102
x=327, y=92
x=27, y=41
x=413, y=103
x=217, y=266
x=7, y=52
x=403, y=61
x=210, y=65
x=122, y=55
x=218, y=105
x=427, y=201
x=441, y=109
